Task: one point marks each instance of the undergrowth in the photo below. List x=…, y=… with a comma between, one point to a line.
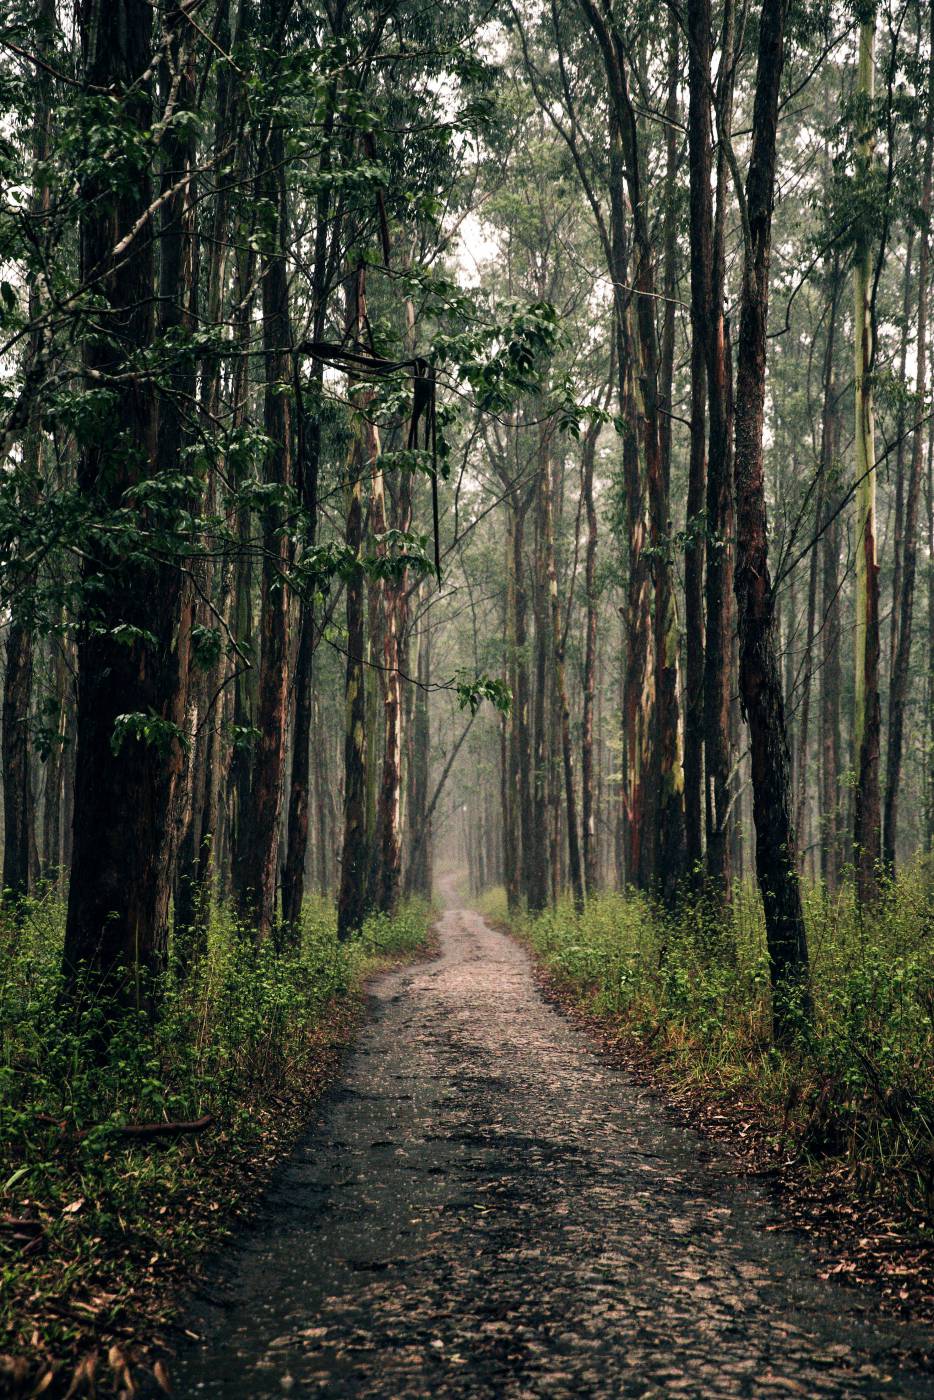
x=243, y=1038
x=857, y=1088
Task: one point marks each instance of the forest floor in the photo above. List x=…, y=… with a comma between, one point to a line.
x=490, y=1206
x=85, y=1310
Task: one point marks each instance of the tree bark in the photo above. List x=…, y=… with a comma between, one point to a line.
x=352, y=899
x=701, y=226
x=760, y=682
x=261, y=829
x=898, y=694
x=539, y=862
x=718, y=592
x=18, y=800
x=124, y=784
x=575, y=868
x=867, y=721
x=588, y=796
x=522, y=708
x=418, y=871
x=824, y=490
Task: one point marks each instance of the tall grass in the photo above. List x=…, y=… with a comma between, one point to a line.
x=859, y=1084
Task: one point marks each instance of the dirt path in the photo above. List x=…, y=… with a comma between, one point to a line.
x=486, y=1208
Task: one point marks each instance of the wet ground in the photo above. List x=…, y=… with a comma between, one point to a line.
x=486, y=1207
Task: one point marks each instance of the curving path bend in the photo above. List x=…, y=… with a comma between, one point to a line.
x=487, y=1208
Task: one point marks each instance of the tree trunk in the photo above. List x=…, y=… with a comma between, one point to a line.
x=539, y=863
x=930, y=642
x=866, y=709
x=177, y=315
x=522, y=707
x=760, y=682
x=387, y=857
x=293, y=871
x=670, y=857
x=575, y=868
x=18, y=801
x=718, y=594
x=588, y=797
x=257, y=892
x=701, y=226
x=352, y=899
x=124, y=780
x=898, y=694
x=53, y=857
x=418, y=872
x=824, y=492
x=899, y=470
x=18, y=806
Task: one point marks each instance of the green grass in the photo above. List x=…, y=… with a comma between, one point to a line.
x=857, y=1088
x=247, y=1038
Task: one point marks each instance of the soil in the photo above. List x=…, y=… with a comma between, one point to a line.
x=489, y=1206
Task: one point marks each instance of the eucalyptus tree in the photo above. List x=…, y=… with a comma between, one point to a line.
x=759, y=677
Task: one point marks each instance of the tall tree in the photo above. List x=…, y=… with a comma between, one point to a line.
x=259, y=854
x=867, y=719
x=131, y=658
x=903, y=605
x=760, y=680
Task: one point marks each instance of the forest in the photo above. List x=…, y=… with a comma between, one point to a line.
x=466, y=541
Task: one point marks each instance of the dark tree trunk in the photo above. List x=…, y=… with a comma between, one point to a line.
x=124, y=783
x=309, y=454
x=903, y=606
x=53, y=854
x=261, y=825
x=512, y=835
x=352, y=900
x=670, y=857
x=418, y=873
x=588, y=796
x=18, y=799
x=760, y=682
x=539, y=862
x=899, y=470
x=18, y=806
x=637, y=845
x=177, y=314
x=523, y=733
x=867, y=719
x=825, y=487
x=562, y=706
x=293, y=871
x=701, y=225
x=718, y=660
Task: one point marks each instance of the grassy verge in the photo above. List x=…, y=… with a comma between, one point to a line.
x=846, y=1119
x=97, y=1230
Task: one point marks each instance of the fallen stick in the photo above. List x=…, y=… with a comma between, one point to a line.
x=148, y=1130
x=140, y=1131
